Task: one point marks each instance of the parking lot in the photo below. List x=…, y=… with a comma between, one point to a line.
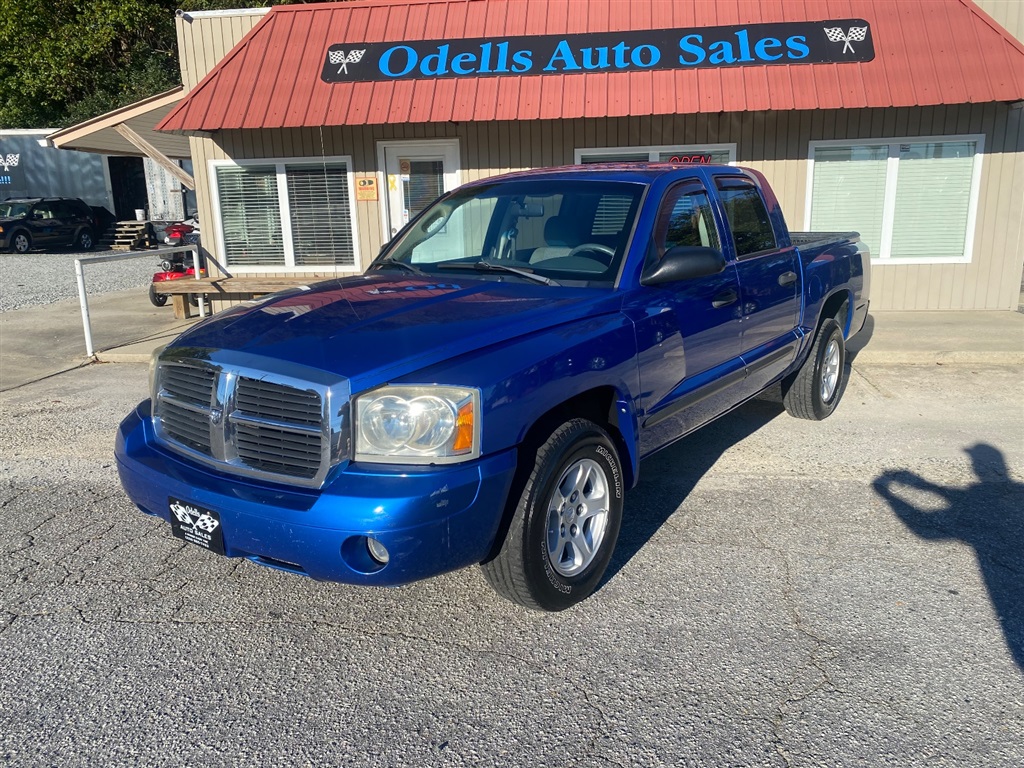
x=784, y=593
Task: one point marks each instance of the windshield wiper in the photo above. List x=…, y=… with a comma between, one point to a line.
x=489, y=266
x=401, y=265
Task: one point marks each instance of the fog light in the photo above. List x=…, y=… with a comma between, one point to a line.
x=378, y=551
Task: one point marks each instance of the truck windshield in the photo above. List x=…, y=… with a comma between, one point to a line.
x=562, y=230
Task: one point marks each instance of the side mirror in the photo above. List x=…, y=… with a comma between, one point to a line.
x=684, y=263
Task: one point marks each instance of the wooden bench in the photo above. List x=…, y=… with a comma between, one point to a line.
x=230, y=287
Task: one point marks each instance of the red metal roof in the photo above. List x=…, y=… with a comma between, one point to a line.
x=926, y=52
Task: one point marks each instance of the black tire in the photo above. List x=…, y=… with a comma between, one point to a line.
x=157, y=299
x=193, y=299
x=21, y=242
x=523, y=571
x=84, y=241
x=814, y=391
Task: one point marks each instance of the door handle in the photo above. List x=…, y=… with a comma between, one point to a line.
x=787, y=278
x=724, y=299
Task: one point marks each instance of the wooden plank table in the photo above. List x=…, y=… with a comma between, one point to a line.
x=223, y=287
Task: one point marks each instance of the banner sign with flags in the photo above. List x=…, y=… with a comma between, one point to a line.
x=820, y=42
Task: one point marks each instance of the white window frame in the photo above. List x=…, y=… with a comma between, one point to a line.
x=280, y=164
x=654, y=150
x=892, y=172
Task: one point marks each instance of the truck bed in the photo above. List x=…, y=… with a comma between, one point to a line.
x=805, y=239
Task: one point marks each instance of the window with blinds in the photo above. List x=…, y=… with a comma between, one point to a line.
x=287, y=215
x=321, y=216
x=250, y=215
x=932, y=193
x=908, y=200
x=611, y=214
x=848, y=193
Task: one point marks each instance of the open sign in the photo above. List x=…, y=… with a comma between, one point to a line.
x=685, y=159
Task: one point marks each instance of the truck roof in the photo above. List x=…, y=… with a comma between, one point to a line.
x=621, y=171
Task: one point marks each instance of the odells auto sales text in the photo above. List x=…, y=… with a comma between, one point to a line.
x=499, y=58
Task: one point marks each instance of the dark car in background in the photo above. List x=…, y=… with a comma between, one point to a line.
x=43, y=222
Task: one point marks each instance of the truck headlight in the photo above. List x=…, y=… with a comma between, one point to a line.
x=154, y=363
x=421, y=424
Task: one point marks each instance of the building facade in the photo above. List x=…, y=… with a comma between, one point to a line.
x=317, y=131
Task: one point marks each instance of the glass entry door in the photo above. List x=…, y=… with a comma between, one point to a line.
x=415, y=174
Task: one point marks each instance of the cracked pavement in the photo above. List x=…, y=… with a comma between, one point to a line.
x=767, y=606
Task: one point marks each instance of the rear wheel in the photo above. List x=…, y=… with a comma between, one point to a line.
x=157, y=299
x=813, y=392
x=84, y=241
x=566, y=522
x=21, y=242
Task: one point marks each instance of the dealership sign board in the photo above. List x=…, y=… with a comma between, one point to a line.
x=822, y=42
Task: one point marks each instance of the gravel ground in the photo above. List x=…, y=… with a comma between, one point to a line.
x=784, y=594
x=36, y=279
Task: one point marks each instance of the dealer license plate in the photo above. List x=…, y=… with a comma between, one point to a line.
x=196, y=525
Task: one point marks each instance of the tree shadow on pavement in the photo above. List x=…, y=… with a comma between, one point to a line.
x=988, y=515
x=669, y=476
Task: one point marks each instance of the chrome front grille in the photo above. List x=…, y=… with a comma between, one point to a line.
x=275, y=401
x=251, y=423
x=187, y=426
x=190, y=385
x=281, y=451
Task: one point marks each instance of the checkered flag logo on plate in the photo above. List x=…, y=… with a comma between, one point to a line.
x=193, y=519
x=206, y=523
x=341, y=60
x=11, y=161
x=853, y=35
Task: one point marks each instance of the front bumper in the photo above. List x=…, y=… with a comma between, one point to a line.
x=430, y=519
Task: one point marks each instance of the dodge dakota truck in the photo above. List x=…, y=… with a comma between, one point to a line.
x=485, y=392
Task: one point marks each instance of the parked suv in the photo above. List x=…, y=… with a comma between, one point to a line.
x=44, y=222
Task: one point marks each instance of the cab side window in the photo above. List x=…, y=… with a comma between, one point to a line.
x=686, y=219
x=752, y=230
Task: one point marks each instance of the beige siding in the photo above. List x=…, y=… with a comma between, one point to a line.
x=1009, y=14
x=774, y=143
x=205, y=40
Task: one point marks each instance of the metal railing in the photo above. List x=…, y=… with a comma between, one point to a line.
x=83, y=299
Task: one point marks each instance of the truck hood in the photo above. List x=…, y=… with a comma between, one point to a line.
x=376, y=328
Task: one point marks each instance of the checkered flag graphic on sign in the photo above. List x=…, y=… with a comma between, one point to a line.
x=206, y=523
x=341, y=58
x=854, y=35
x=11, y=161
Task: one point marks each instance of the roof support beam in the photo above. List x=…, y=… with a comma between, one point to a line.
x=155, y=155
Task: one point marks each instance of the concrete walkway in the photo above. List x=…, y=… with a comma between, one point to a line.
x=36, y=342
x=944, y=338
x=41, y=341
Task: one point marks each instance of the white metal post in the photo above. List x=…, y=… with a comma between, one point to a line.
x=84, y=302
x=197, y=276
x=80, y=276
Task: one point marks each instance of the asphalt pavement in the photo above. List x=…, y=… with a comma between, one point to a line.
x=784, y=593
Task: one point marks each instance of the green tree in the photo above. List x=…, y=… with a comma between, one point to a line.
x=65, y=61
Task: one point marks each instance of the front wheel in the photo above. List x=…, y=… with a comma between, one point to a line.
x=21, y=242
x=813, y=392
x=566, y=522
x=157, y=299
x=84, y=241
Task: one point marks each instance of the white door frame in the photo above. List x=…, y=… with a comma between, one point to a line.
x=452, y=178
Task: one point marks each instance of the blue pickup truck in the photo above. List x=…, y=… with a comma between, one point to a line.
x=485, y=392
